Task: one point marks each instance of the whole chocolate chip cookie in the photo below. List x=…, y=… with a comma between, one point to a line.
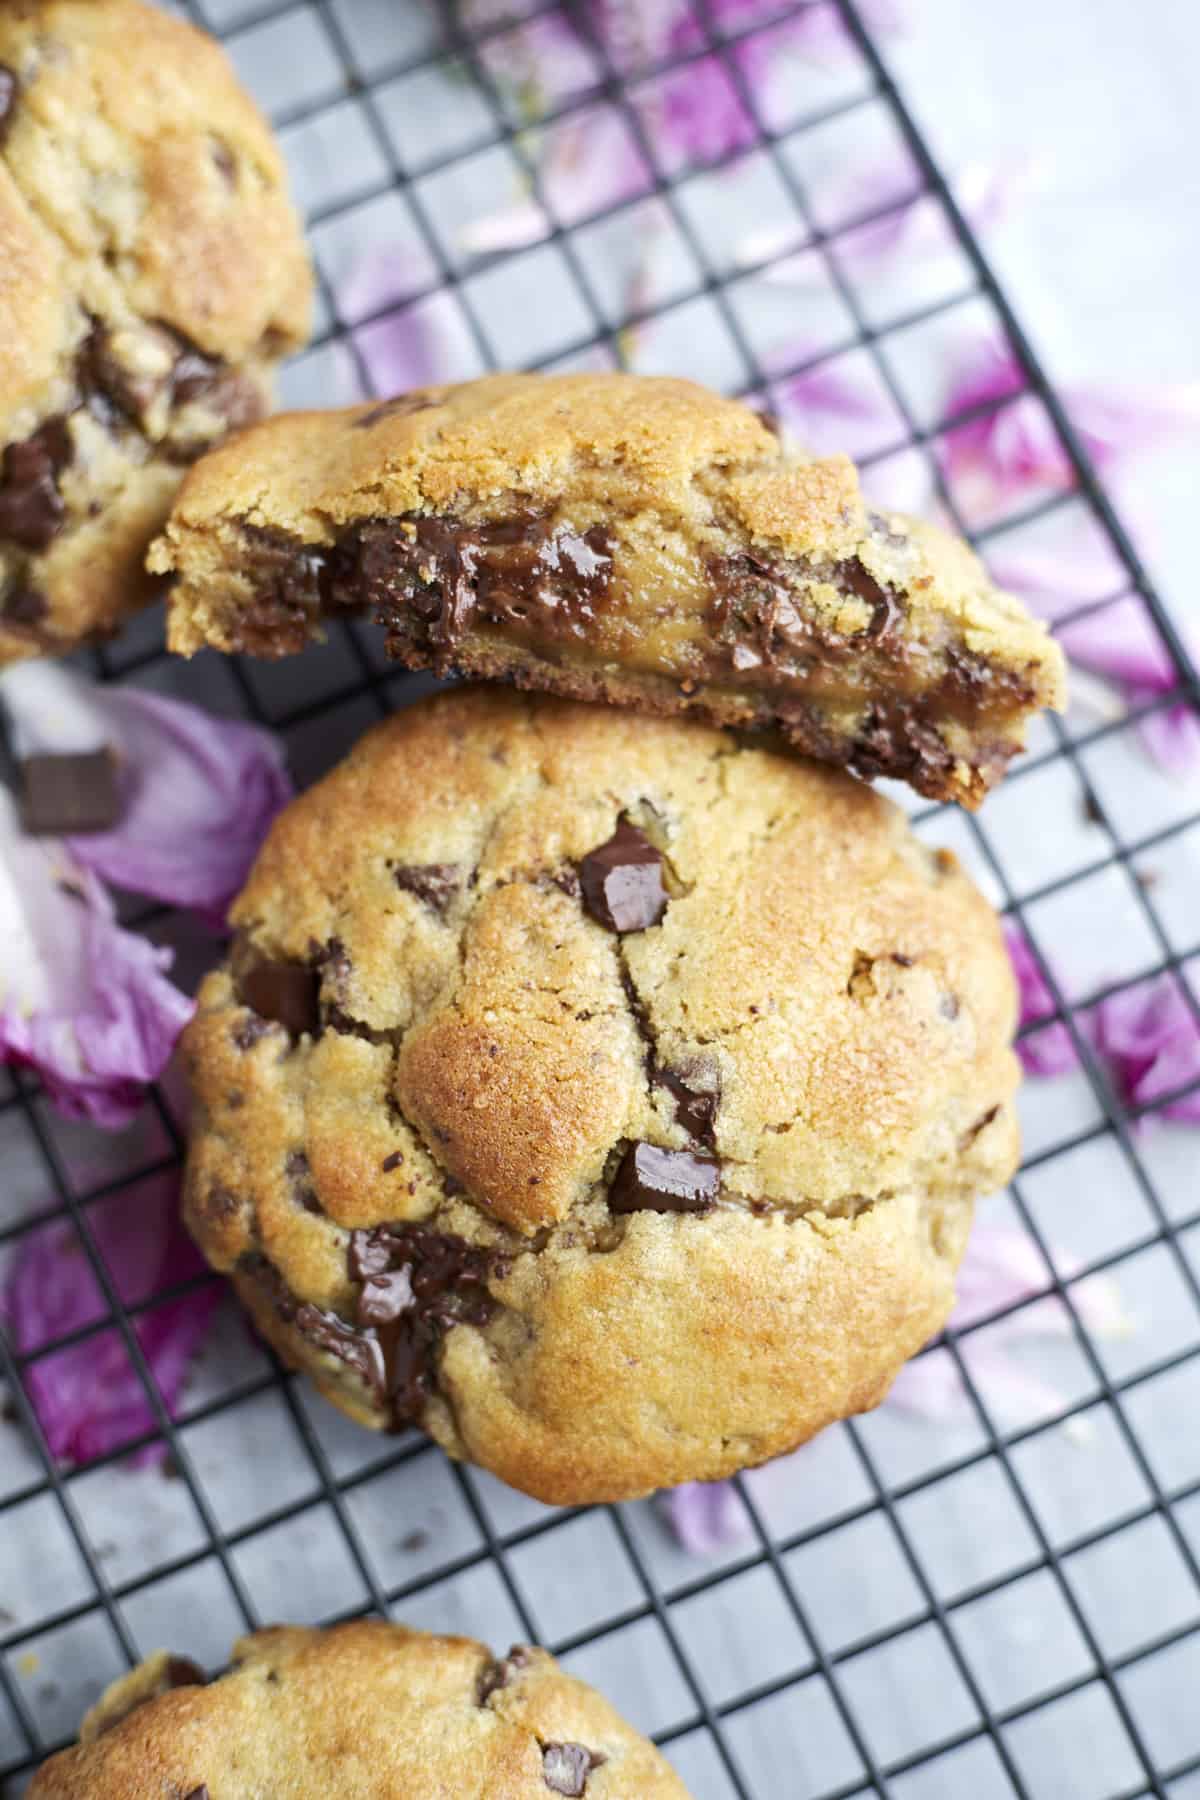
x=367, y=1710
x=603, y=1096
x=151, y=274
x=622, y=538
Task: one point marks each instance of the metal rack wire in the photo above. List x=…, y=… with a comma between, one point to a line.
x=983, y=1738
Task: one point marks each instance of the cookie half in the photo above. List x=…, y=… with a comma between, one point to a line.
x=622, y=538
x=367, y=1710
x=152, y=272
x=603, y=1096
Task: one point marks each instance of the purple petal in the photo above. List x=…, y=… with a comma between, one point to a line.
x=414, y=346
x=1017, y=446
x=1056, y=580
x=198, y=791
x=1049, y=1051
x=832, y=406
x=89, y=1398
x=1152, y=1040
x=83, y=1002
x=706, y=1516
x=1170, y=736
x=1120, y=641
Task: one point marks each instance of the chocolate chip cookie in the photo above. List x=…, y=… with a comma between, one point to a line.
x=152, y=272
x=367, y=1710
x=622, y=538
x=597, y=1093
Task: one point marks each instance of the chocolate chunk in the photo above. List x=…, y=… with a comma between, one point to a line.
x=223, y=161
x=285, y=992
x=393, y=1344
x=651, y=1179
x=622, y=881
x=183, y=1672
x=695, y=1108
x=360, y=1350
x=427, y=577
x=63, y=794
x=566, y=1767
x=197, y=1793
x=296, y=1167
x=9, y=89
x=391, y=1161
x=31, y=507
x=769, y=420
x=118, y=382
x=24, y=605
x=499, y=1674
x=384, y=1297
x=434, y=883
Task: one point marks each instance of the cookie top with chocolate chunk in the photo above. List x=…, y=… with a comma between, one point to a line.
x=600, y=1094
x=625, y=538
x=369, y=1710
x=152, y=272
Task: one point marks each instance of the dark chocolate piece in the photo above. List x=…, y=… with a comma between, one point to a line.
x=651, y=1179
x=102, y=374
x=223, y=160
x=427, y=577
x=198, y=1793
x=9, y=89
x=695, y=1108
x=23, y=605
x=384, y=1297
x=391, y=1161
x=566, y=1767
x=31, y=507
x=64, y=794
x=416, y=1285
x=499, y=1674
x=183, y=1672
x=285, y=992
x=296, y=1167
x=434, y=883
x=622, y=881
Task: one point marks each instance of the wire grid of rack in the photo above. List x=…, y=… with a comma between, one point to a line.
x=836, y=1648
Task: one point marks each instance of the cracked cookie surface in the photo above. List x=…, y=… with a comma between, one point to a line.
x=632, y=539
x=365, y=1711
x=152, y=272
x=604, y=1096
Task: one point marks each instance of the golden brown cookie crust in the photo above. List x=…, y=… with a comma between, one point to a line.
x=144, y=216
x=632, y=538
x=365, y=1711
x=482, y=1052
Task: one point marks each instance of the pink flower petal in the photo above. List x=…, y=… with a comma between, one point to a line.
x=83, y=1002
x=1170, y=736
x=412, y=346
x=1120, y=641
x=88, y=1398
x=832, y=406
x=1046, y=1052
x=198, y=791
x=1152, y=1040
x=706, y=1516
x=1016, y=446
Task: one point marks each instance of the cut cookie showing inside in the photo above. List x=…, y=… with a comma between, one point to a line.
x=618, y=538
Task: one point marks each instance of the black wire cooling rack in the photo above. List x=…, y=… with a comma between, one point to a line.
x=969, y=1730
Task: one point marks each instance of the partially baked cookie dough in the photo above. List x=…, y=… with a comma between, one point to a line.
x=152, y=273
x=625, y=538
x=599, y=1094
x=366, y=1711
